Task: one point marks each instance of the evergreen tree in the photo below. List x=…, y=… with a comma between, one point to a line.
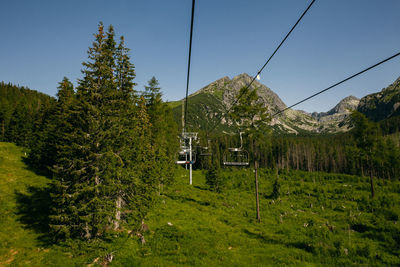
x=49, y=130
x=20, y=111
x=104, y=169
x=83, y=166
x=20, y=125
x=163, y=131
x=366, y=136
x=250, y=114
x=214, y=178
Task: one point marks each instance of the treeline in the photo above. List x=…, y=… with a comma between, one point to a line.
x=108, y=147
x=369, y=148
x=20, y=108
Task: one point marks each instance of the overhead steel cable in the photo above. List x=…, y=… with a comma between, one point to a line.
x=188, y=70
x=338, y=83
x=265, y=64
x=187, y=90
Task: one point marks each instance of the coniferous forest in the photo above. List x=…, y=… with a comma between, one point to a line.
x=105, y=154
x=104, y=143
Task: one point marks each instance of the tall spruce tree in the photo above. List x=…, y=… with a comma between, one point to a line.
x=250, y=114
x=366, y=135
x=163, y=131
x=103, y=177
x=50, y=127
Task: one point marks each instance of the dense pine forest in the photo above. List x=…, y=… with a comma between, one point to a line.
x=20, y=109
x=109, y=148
x=338, y=153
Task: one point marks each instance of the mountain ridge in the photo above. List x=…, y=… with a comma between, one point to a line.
x=207, y=107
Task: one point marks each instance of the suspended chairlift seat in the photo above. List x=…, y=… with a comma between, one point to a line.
x=236, y=156
x=206, y=150
x=183, y=156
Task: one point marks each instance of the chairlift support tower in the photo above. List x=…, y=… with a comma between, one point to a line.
x=187, y=139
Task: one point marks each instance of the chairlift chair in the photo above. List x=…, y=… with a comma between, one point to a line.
x=236, y=156
x=183, y=157
x=206, y=150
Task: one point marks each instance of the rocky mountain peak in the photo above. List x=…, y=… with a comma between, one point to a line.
x=346, y=105
x=394, y=86
x=208, y=104
x=269, y=97
x=213, y=87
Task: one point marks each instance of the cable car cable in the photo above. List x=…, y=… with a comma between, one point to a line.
x=188, y=70
x=266, y=63
x=187, y=90
x=336, y=84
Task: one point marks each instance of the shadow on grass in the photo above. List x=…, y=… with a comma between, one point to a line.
x=261, y=236
x=204, y=188
x=38, y=171
x=33, y=209
x=188, y=199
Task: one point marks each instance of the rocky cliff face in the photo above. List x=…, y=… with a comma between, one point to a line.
x=382, y=105
x=345, y=106
x=337, y=119
x=226, y=90
x=207, y=105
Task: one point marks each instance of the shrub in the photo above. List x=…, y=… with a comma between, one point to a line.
x=276, y=189
x=214, y=179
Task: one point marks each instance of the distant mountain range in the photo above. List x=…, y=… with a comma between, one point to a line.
x=207, y=108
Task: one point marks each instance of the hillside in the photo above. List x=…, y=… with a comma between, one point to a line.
x=319, y=218
x=24, y=213
x=20, y=109
x=207, y=105
x=382, y=105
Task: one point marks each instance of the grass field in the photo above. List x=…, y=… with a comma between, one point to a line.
x=23, y=214
x=318, y=219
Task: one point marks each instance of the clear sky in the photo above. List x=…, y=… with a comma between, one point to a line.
x=43, y=41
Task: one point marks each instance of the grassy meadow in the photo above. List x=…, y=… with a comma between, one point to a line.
x=312, y=219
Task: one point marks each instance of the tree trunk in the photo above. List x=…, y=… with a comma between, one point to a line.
x=372, y=185
x=3, y=129
x=369, y=163
x=118, y=205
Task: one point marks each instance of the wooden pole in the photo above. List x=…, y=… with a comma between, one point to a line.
x=190, y=158
x=371, y=180
x=257, y=198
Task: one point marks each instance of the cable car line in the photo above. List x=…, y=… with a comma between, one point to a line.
x=188, y=70
x=186, y=155
x=265, y=64
x=338, y=83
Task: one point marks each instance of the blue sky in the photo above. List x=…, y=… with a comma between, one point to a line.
x=43, y=41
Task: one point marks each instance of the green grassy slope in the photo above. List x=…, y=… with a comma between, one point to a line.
x=318, y=219
x=24, y=209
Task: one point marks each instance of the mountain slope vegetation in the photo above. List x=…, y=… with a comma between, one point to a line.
x=312, y=218
x=382, y=105
x=207, y=108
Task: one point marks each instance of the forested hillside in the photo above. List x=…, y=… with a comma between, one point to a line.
x=20, y=109
x=382, y=105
